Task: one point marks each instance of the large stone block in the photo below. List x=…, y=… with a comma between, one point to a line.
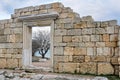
x=100, y=44
x=86, y=38
x=74, y=32
x=67, y=39
x=114, y=37
x=77, y=39
x=69, y=67
x=88, y=31
x=95, y=38
x=58, y=38
x=68, y=51
x=110, y=30
x=80, y=51
x=58, y=50
x=89, y=67
x=90, y=51
x=60, y=32
x=106, y=37
x=12, y=63
x=2, y=63
x=105, y=68
x=82, y=24
x=111, y=44
x=78, y=59
x=100, y=31
x=100, y=51
x=3, y=38
x=99, y=59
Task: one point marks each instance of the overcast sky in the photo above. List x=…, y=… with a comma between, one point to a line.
x=99, y=9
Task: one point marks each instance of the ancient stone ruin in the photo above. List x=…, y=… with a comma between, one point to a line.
x=78, y=45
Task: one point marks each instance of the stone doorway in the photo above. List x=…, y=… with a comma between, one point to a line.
x=28, y=23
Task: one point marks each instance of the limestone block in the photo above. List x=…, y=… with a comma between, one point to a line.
x=90, y=24
x=67, y=39
x=58, y=50
x=110, y=30
x=111, y=44
x=114, y=60
x=104, y=24
x=80, y=51
x=89, y=67
x=116, y=29
x=15, y=56
x=3, y=38
x=106, y=51
x=16, y=31
x=100, y=51
x=100, y=59
x=100, y=44
x=63, y=15
x=74, y=32
x=112, y=23
x=88, y=31
x=82, y=44
x=42, y=12
x=77, y=39
x=12, y=63
x=100, y=31
x=70, y=58
x=2, y=63
x=68, y=25
x=2, y=55
x=89, y=44
x=87, y=58
x=97, y=23
x=95, y=38
x=29, y=13
x=114, y=37
x=8, y=55
x=60, y=32
x=7, y=31
x=58, y=38
x=106, y=37
x=16, y=45
x=105, y=68
x=59, y=58
x=68, y=51
x=90, y=51
x=78, y=59
x=18, y=38
x=86, y=38
x=69, y=67
x=82, y=24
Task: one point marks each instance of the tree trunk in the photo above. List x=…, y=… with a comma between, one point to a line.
x=43, y=55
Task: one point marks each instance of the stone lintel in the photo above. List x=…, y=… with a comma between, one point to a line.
x=53, y=15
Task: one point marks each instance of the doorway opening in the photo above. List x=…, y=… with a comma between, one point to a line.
x=41, y=50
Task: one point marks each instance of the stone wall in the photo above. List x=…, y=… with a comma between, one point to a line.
x=81, y=45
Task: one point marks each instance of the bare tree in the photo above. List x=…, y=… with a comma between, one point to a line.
x=41, y=42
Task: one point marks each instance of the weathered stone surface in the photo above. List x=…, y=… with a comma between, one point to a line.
x=58, y=38
x=60, y=32
x=58, y=50
x=95, y=38
x=100, y=31
x=111, y=44
x=106, y=37
x=90, y=51
x=67, y=39
x=86, y=38
x=82, y=24
x=3, y=63
x=78, y=59
x=74, y=32
x=77, y=39
x=12, y=63
x=80, y=51
x=110, y=30
x=88, y=31
x=68, y=51
x=105, y=68
x=88, y=68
